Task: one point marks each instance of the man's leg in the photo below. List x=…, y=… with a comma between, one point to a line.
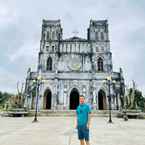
x=86, y=135
x=87, y=143
x=82, y=142
x=81, y=135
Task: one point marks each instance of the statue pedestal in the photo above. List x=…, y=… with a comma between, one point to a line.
x=131, y=113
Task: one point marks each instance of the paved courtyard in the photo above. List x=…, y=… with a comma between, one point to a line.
x=58, y=131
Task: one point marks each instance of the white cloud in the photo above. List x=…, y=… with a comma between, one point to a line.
x=7, y=15
x=29, y=49
x=8, y=81
x=20, y=24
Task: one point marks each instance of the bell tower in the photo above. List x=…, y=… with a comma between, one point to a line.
x=51, y=30
x=51, y=36
x=98, y=36
x=98, y=30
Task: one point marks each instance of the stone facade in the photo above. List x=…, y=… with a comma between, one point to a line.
x=72, y=67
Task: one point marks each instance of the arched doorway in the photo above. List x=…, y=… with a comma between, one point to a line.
x=74, y=99
x=101, y=100
x=47, y=99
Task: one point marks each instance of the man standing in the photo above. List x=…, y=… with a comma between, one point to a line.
x=83, y=121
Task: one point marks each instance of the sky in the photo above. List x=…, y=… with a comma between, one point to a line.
x=20, y=32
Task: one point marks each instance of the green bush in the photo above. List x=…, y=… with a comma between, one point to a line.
x=4, y=97
x=139, y=99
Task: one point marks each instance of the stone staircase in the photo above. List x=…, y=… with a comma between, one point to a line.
x=66, y=113
x=14, y=112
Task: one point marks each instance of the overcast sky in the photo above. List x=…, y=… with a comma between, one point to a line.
x=20, y=29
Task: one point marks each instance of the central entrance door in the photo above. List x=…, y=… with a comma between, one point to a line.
x=101, y=100
x=47, y=99
x=74, y=99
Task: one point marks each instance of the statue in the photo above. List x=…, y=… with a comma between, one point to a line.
x=131, y=102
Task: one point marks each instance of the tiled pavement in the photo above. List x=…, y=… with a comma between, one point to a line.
x=59, y=131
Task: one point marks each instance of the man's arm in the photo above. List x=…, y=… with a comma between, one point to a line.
x=75, y=125
x=89, y=120
x=89, y=117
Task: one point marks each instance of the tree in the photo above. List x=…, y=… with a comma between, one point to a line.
x=135, y=99
x=139, y=98
x=4, y=97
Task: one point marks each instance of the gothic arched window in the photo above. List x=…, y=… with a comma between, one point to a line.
x=47, y=48
x=102, y=36
x=53, y=35
x=43, y=36
x=53, y=48
x=48, y=36
x=100, y=64
x=96, y=35
x=49, y=64
x=97, y=49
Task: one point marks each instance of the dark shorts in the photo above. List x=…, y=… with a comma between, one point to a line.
x=83, y=133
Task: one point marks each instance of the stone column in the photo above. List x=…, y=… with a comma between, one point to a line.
x=95, y=101
x=41, y=96
x=61, y=93
x=64, y=98
x=67, y=101
x=64, y=101
x=55, y=95
x=30, y=101
x=41, y=101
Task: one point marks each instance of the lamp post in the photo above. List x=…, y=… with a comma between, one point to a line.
x=125, y=117
x=109, y=82
x=38, y=82
x=109, y=98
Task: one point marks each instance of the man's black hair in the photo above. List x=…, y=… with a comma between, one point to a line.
x=82, y=96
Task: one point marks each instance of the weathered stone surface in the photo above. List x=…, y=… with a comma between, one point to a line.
x=57, y=130
x=74, y=63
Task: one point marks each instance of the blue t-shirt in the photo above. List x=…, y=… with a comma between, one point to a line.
x=83, y=111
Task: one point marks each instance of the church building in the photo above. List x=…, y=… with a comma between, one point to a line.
x=74, y=66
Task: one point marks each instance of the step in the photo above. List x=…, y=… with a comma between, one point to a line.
x=102, y=113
